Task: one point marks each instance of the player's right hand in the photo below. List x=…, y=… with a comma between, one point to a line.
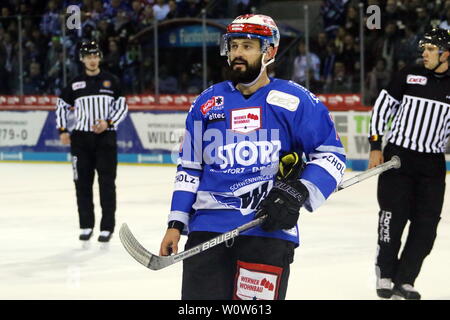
x=375, y=158
x=169, y=243
x=64, y=138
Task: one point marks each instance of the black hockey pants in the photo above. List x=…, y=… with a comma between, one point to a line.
x=415, y=192
x=95, y=152
x=247, y=268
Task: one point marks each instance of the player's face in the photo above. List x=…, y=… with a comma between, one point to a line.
x=245, y=60
x=244, y=52
x=91, y=62
x=430, y=56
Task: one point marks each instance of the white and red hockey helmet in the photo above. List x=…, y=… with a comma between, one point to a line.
x=252, y=26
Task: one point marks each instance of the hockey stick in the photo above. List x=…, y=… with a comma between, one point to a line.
x=154, y=262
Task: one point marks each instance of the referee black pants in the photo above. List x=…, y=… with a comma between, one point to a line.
x=95, y=152
x=247, y=268
x=414, y=192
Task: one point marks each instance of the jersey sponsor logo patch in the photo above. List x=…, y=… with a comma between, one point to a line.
x=78, y=85
x=257, y=281
x=215, y=103
x=414, y=79
x=186, y=182
x=107, y=84
x=282, y=99
x=248, y=153
x=214, y=117
x=246, y=120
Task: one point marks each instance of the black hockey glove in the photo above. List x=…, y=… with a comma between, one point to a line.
x=282, y=204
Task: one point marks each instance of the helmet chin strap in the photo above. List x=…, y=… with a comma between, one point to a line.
x=439, y=62
x=263, y=67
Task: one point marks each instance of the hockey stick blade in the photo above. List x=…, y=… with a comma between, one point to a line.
x=139, y=253
x=155, y=262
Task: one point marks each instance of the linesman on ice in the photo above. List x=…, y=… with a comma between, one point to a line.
x=417, y=101
x=95, y=97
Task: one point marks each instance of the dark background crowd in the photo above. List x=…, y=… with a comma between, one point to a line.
x=333, y=61
x=334, y=58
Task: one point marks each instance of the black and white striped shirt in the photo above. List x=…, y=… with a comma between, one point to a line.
x=93, y=98
x=417, y=105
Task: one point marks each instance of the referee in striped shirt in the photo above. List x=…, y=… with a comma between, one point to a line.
x=417, y=105
x=99, y=107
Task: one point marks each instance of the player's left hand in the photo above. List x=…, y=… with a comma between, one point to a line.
x=283, y=203
x=100, y=126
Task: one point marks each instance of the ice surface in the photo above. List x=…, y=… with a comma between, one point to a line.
x=42, y=258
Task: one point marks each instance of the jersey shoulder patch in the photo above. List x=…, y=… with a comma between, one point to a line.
x=284, y=100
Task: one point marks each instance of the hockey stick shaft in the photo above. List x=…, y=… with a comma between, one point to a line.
x=154, y=262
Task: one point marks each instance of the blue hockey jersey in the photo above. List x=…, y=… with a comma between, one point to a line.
x=231, y=150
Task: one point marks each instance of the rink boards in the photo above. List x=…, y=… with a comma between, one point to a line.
x=147, y=136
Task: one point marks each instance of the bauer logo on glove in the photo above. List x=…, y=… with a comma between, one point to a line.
x=282, y=205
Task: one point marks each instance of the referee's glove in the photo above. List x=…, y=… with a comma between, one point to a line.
x=282, y=205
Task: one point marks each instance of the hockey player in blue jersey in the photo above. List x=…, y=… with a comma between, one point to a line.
x=241, y=159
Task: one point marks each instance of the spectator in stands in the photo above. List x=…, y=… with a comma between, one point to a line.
x=4, y=85
x=113, y=7
x=352, y=21
x=136, y=12
x=333, y=15
x=408, y=44
x=304, y=62
x=392, y=12
x=147, y=18
x=320, y=47
x=193, y=80
x=167, y=82
x=113, y=58
x=190, y=8
x=241, y=7
x=350, y=53
x=160, y=10
x=33, y=82
x=87, y=5
x=50, y=24
x=67, y=3
x=328, y=63
x=98, y=11
x=131, y=66
x=55, y=74
x=386, y=46
x=445, y=22
x=174, y=12
x=341, y=82
x=409, y=13
x=53, y=50
x=423, y=20
x=377, y=79
x=124, y=29
x=339, y=39
x=9, y=62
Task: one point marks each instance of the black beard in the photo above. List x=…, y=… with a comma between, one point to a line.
x=237, y=76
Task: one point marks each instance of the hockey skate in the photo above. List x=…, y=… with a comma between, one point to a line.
x=104, y=236
x=405, y=292
x=384, y=288
x=85, y=234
